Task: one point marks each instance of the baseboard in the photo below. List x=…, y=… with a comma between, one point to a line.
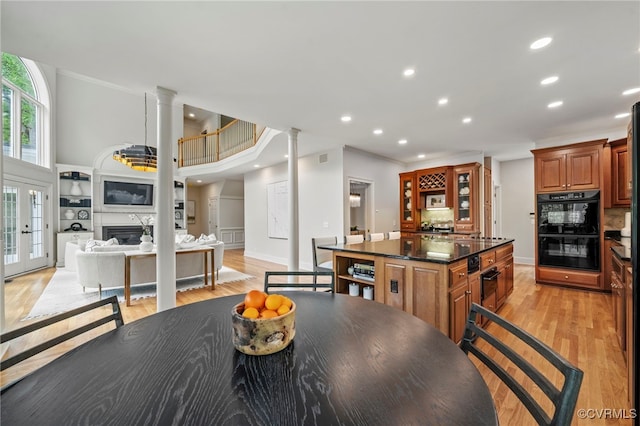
x=524, y=261
x=304, y=266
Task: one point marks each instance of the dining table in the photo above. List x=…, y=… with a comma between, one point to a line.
x=352, y=362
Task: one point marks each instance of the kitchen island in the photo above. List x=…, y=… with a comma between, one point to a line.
x=435, y=278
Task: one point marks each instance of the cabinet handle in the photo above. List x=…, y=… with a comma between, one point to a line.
x=566, y=277
x=468, y=292
x=568, y=185
x=460, y=274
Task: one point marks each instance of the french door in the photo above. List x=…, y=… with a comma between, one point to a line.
x=25, y=236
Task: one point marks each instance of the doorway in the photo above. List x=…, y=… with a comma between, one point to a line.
x=360, y=201
x=25, y=239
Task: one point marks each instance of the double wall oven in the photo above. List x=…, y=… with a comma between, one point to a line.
x=569, y=230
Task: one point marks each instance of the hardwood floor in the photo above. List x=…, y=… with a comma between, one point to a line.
x=576, y=323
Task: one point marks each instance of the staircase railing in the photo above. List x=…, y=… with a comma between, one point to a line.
x=233, y=138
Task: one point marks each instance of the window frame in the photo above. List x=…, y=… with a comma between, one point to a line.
x=40, y=100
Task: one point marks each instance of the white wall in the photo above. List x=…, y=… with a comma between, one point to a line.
x=383, y=173
x=517, y=187
x=320, y=207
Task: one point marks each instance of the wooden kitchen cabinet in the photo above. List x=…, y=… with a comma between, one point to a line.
x=568, y=168
x=464, y=291
x=409, y=218
x=630, y=336
x=434, y=181
x=466, y=202
x=630, y=154
x=616, y=174
x=618, y=301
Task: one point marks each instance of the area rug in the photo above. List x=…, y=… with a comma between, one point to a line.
x=64, y=293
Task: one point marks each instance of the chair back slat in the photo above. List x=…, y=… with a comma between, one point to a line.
x=115, y=316
x=270, y=275
x=564, y=399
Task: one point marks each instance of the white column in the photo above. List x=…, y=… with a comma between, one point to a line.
x=294, y=255
x=164, y=225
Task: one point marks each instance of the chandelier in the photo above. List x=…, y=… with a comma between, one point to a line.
x=139, y=157
x=354, y=200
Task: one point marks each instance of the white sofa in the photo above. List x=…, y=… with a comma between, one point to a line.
x=103, y=266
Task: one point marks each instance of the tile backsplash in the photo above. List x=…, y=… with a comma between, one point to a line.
x=614, y=219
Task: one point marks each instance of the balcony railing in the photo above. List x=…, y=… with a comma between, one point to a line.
x=233, y=138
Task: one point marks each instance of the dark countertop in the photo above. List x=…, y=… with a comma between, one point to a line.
x=622, y=252
x=436, y=249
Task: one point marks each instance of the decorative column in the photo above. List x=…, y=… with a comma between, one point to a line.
x=164, y=225
x=294, y=255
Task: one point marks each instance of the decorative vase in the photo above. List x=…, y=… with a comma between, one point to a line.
x=75, y=188
x=146, y=244
x=69, y=214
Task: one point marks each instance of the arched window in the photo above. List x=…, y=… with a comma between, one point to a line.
x=24, y=100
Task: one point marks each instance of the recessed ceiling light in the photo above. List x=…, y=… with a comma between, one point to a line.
x=421, y=155
x=345, y=118
x=191, y=115
x=408, y=72
x=631, y=91
x=199, y=181
x=466, y=120
x=549, y=80
x=377, y=132
x=540, y=43
x=623, y=115
x=555, y=104
x=256, y=165
x=443, y=101
x=402, y=141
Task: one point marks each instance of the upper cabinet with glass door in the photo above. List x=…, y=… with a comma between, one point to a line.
x=408, y=209
x=466, y=199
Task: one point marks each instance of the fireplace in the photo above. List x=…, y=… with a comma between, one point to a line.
x=126, y=235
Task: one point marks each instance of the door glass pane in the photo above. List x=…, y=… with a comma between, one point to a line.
x=29, y=131
x=10, y=197
x=7, y=99
x=35, y=204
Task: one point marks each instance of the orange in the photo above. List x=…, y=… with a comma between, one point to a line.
x=268, y=313
x=250, y=313
x=283, y=309
x=254, y=299
x=273, y=302
x=286, y=301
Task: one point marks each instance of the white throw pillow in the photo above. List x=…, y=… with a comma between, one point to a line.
x=93, y=243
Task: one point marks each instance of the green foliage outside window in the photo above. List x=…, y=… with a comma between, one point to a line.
x=15, y=72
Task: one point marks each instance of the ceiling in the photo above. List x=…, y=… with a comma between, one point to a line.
x=305, y=64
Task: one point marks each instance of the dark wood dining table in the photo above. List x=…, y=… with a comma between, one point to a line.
x=352, y=361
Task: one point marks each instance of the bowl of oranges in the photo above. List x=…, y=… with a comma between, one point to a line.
x=263, y=323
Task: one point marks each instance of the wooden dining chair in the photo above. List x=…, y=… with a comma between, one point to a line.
x=115, y=315
x=481, y=343
x=295, y=280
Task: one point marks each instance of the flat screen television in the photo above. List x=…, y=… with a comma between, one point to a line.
x=128, y=193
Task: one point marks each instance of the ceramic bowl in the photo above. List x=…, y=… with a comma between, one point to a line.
x=262, y=336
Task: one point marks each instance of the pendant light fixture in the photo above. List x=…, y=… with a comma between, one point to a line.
x=139, y=157
x=354, y=200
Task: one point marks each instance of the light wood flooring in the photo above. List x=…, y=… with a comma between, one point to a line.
x=576, y=323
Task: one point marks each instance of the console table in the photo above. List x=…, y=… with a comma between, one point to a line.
x=132, y=255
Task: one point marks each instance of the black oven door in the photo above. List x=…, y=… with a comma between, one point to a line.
x=569, y=213
x=570, y=251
